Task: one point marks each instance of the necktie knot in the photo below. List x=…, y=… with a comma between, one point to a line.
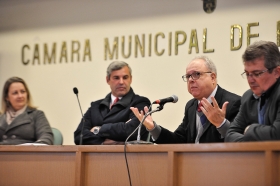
x=115, y=101
x=198, y=107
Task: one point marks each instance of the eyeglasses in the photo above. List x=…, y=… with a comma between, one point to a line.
x=255, y=74
x=194, y=75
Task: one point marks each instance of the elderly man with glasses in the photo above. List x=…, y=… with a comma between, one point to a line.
x=259, y=115
x=207, y=116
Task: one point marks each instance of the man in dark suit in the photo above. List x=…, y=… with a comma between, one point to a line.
x=259, y=115
x=204, y=121
x=110, y=120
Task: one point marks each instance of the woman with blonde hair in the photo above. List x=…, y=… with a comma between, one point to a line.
x=20, y=121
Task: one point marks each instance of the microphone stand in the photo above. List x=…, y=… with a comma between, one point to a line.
x=83, y=124
x=82, y=130
x=138, y=141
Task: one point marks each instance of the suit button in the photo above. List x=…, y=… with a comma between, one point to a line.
x=13, y=136
x=5, y=136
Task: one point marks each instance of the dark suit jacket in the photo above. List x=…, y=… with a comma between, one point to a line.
x=248, y=115
x=31, y=126
x=114, y=122
x=186, y=132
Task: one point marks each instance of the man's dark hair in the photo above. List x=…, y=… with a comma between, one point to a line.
x=263, y=49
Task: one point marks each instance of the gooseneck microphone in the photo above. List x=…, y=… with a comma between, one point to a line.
x=161, y=103
x=75, y=90
x=172, y=99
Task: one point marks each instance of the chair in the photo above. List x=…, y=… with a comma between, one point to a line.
x=57, y=137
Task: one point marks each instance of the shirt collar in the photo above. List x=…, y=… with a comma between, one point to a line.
x=113, y=98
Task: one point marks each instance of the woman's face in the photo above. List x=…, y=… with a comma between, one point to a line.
x=17, y=96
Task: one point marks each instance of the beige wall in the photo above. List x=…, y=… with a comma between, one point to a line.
x=39, y=22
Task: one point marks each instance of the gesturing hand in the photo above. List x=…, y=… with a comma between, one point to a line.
x=148, y=123
x=213, y=112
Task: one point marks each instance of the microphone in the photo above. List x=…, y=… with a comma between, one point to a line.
x=172, y=99
x=75, y=90
x=161, y=102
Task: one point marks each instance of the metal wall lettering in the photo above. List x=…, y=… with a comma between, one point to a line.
x=240, y=31
x=75, y=50
x=177, y=42
x=49, y=58
x=156, y=44
x=115, y=49
x=139, y=45
x=193, y=41
x=129, y=47
x=205, y=50
x=249, y=35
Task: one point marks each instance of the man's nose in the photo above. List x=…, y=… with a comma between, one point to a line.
x=190, y=80
x=121, y=81
x=250, y=78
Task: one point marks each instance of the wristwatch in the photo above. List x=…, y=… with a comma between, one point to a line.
x=96, y=130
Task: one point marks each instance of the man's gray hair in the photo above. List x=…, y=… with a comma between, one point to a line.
x=117, y=65
x=266, y=49
x=208, y=63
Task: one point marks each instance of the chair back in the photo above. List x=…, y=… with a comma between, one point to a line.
x=57, y=137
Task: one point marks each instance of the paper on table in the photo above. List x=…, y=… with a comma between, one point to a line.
x=35, y=144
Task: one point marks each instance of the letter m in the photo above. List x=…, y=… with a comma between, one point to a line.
x=114, y=51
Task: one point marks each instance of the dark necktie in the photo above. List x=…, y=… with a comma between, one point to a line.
x=203, y=118
x=115, y=101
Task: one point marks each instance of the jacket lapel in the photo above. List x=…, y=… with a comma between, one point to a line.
x=206, y=126
x=219, y=96
x=119, y=106
x=192, y=118
x=3, y=122
x=21, y=119
x=105, y=103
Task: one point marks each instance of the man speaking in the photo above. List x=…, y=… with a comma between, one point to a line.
x=204, y=121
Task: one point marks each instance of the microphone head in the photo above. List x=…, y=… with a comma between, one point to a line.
x=175, y=98
x=75, y=90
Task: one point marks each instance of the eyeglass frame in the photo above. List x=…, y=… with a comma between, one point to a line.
x=191, y=75
x=255, y=74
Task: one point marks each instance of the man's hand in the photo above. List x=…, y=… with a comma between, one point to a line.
x=213, y=113
x=148, y=123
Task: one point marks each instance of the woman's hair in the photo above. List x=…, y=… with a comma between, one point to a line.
x=5, y=103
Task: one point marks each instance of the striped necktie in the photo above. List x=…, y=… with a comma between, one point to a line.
x=203, y=118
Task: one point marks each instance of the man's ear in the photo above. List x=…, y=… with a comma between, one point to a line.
x=213, y=76
x=107, y=79
x=277, y=71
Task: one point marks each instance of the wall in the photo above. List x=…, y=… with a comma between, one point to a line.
x=46, y=22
